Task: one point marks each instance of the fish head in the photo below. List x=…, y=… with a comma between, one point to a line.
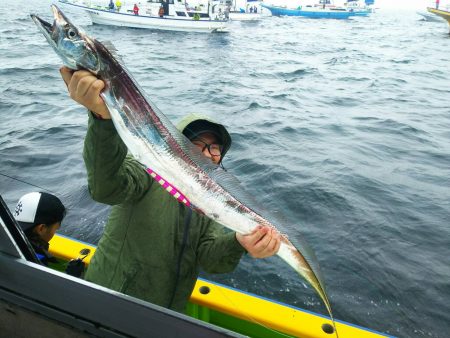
x=74, y=47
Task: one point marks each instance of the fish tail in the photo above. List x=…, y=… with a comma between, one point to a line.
x=291, y=255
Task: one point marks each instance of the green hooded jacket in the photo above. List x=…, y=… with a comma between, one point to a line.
x=138, y=253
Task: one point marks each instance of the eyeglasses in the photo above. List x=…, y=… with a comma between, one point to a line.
x=214, y=149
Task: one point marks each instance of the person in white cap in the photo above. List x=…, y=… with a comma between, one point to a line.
x=40, y=214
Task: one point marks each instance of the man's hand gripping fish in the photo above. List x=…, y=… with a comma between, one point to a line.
x=156, y=142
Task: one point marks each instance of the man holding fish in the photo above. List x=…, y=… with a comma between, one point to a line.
x=153, y=246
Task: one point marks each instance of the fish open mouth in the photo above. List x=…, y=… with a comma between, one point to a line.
x=69, y=42
x=44, y=25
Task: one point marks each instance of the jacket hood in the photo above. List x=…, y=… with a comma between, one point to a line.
x=206, y=124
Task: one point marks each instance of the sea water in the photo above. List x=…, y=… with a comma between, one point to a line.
x=343, y=127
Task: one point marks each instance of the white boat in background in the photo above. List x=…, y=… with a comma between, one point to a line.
x=358, y=7
x=243, y=10
x=166, y=15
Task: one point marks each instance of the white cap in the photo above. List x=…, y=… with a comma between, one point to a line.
x=27, y=207
x=38, y=208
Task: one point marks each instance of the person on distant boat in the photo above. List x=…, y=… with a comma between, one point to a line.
x=154, y=246
x=220, y=15
x=161, y=11
x=136, y=9
x=111, y=5
x=118, y=5
x=40, y=214
x=437, y=4
x=255, y=9
x=251, y=9
x=227, y=12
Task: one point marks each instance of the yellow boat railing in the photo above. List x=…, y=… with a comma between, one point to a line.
x=270, y=314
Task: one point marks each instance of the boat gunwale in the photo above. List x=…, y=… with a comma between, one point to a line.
x=220, y=298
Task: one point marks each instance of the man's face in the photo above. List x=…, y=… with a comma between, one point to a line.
x=209, y=146
x=45, y=232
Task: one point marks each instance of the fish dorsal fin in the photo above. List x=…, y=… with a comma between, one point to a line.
x=109, y=46
x=223, y=178
x=231, y=184
x=192, y=152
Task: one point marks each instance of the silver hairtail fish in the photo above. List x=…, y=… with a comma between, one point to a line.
x=169, y=155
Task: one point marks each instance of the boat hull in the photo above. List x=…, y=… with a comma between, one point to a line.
x=180, y=24
x=238, y=16
x=315, y=14
x=439, y=12
x=429, y=17
x=360, y=13
x=62, y=305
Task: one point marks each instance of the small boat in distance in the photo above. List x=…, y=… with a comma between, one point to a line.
x=243, y=10
x=311, y=12
x=166, y=15
x=358, y=7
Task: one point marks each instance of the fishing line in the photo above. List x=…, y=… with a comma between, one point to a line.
x=68, y=204
x=34, y=185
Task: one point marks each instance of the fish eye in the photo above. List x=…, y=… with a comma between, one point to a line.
x=71, y=33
